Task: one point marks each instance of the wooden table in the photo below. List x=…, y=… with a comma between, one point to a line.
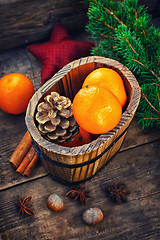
x=137, y=165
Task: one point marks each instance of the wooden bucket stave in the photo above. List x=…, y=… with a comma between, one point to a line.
x=62, y=162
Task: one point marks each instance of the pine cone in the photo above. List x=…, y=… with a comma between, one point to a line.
x=55, y=118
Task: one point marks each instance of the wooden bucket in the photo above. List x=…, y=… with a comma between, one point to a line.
x=80, y=164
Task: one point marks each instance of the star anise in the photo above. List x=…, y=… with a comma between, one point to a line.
x=118, y=193
x=23, y=205
x=79, y=193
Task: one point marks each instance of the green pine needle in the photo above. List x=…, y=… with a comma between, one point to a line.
x=123, y=31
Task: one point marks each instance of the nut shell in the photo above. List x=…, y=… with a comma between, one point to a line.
x=54, y=202
x=92, y=216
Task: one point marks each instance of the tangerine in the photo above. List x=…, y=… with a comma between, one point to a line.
x=15, y=92
x=80, y=139
x=110, y=79
x=96, y=109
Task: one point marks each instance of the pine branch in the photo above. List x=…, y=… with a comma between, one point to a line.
x=149, y=108
x=125, y=33
x=145, y=62
x=154, y=74
x=145, y=97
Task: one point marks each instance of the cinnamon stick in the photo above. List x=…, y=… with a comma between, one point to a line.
x=26, y=160
x=21, y=150
x=31, y=166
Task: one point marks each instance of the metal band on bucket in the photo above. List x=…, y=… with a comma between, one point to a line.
x=65, y=165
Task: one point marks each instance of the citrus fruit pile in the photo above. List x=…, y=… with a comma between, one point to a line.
x=15, y=92
x=97, y=107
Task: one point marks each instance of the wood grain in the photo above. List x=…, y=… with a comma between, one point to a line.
x=13, y=127
x=136, y=164
x=24, y=22
x=139, y=218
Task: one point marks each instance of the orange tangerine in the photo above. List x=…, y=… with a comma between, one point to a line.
x=15, y=92
x=110, y=79
x=96, y=109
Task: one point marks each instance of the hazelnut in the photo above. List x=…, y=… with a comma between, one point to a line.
x=92, y=216
x=54, y=202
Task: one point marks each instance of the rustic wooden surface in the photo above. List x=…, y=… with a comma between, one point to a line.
x=137, y=165
x=23, y=22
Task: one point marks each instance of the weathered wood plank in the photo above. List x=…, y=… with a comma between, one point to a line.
x=20, y=25
x=136, y=136
x=139, y=218
x=13, y=127
x=137, y=165
x=23, y=22
x=21, y=61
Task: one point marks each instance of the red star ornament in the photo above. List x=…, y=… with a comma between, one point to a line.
x=58, y=51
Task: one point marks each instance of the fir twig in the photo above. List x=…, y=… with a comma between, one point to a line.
x=125, y=33
x=154, y=74
x=145, y=97
x=114, y=16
